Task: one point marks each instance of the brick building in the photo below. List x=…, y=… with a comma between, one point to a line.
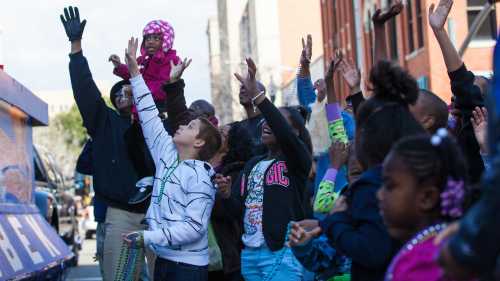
x=347, y=25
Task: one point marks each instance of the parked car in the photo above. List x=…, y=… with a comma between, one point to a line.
x=88, y=224
x=57, y=201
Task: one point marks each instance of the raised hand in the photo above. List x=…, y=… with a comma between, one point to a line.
x=131, y=57
x=223, y=185
x=302, y=232
x=380, y=18
x=334, y=64
x=72, y=24
x=438, y=17
x=115, y=60
x=249, y=83
x=351, y=75
x=339, y=153
x=332, y=68
x=178, y=69
x=306, y=55
x=480, y=124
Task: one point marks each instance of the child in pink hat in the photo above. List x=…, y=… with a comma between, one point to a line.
x=156, y=60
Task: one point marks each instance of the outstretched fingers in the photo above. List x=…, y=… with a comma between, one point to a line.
x=133, y=44
x=431, y=9
x=63, y=20
x=71, y=12
x=66, y=14
x=252, y=68
x=187, y=63
x=77, y=14
x=239, y=78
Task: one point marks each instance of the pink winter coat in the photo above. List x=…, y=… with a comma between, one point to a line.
x=155, y=70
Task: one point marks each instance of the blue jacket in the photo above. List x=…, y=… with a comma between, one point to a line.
x=359, y=232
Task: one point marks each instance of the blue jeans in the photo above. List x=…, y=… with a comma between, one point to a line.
x=261, y=264
x=166, y=270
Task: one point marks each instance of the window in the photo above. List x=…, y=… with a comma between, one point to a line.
x=420, y=23
x=488, y=29
x=409, y=14
x=393, y=35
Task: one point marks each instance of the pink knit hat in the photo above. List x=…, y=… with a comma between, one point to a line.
x=165, y=29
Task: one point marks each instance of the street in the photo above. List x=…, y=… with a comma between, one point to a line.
x=87, y=269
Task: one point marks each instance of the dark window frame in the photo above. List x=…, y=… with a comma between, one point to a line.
x=472, y=10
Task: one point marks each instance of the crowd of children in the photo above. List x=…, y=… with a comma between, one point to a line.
x=389, y=194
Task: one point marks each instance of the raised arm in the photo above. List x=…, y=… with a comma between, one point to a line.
x=326, y=196
x=331, y=97
x=352, y=76
x=159, y=142
x=336, y=128
x=437, y=19
x=87, y=95
x=175, y=102
x=305, y=88
x=379, y=19
x=119, y=69
x=290, y=144
x=468, y=95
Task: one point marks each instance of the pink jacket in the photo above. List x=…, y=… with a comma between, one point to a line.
x=155, y=70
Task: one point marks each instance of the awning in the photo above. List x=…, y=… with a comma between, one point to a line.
x=29, y=245
x=21, y=97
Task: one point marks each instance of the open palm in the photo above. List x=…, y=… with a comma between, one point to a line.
x=380, y=17
x=438, y=17
x=480, y=124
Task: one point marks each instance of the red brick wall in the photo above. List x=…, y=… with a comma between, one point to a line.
x=426, y=61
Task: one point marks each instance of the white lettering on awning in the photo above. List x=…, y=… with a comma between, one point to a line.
x=53, y=251
x=33, y=253
x=9, y=251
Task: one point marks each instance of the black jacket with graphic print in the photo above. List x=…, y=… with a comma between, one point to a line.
x=285, y=192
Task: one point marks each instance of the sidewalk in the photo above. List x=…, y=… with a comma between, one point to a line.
x=87, y=269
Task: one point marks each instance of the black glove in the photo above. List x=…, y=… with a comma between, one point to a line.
x=71, y=22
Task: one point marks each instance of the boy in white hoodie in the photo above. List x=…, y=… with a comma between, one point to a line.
x=183, y=193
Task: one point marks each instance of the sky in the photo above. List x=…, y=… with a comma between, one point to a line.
x=35, y=46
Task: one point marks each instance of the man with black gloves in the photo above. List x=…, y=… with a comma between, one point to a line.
x=114, y=174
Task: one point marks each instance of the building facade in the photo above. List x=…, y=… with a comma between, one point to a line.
x=270, y=32
x=347, y=25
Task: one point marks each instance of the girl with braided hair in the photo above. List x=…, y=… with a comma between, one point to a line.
x=423, y=189
x=355, y=226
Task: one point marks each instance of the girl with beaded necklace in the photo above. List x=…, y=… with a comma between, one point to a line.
x=423, y=189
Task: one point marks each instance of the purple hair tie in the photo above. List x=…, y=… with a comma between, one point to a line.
x=452, y=199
